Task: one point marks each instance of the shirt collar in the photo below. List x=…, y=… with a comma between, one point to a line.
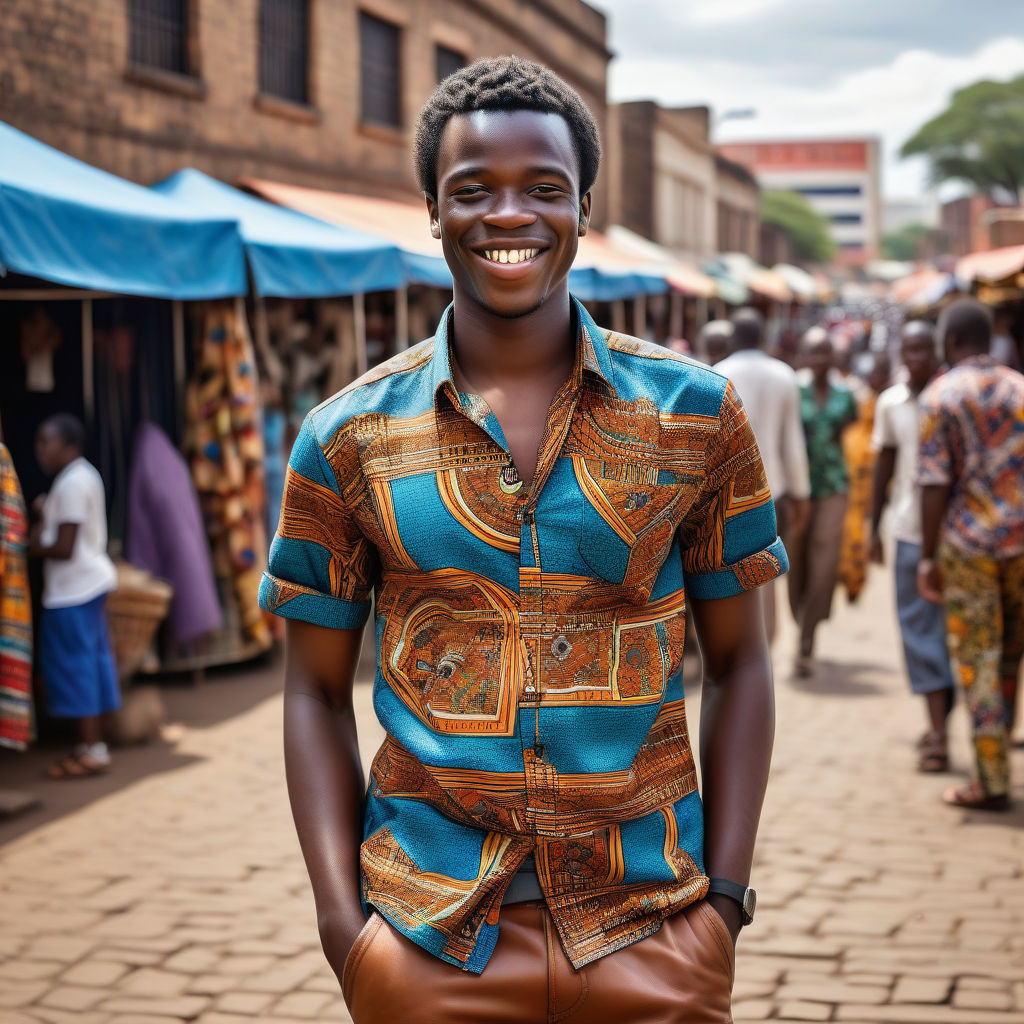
x=591, y=352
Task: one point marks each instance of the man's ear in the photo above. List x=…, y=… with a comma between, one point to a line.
x=584, y=215
x=435, y=220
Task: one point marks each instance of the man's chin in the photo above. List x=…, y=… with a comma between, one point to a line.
x=513, y=308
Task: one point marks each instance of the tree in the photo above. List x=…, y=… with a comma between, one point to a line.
x=978, y=138
x=808, y=231
x=903, y=243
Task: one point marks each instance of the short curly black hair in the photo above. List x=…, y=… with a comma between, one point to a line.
x=505, y=83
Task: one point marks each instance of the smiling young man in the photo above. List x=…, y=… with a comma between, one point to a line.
x=531, y=501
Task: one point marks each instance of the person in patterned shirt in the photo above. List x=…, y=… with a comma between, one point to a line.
x=972, y=552
x=531, y=501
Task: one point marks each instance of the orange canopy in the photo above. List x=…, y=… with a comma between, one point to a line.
x=991, y=266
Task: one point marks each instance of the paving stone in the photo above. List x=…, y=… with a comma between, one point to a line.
x=178, y=1006
x=150, y=981
x=29, y=970
x=752, y=1010
x=21, y=993
x=193, y=960
x=302, y=1004
x=911, y=989
x=831, y=990
x=805, y=1011
x=94, y=973
x=74, y=997
x=981, y=999
x=248, y=1003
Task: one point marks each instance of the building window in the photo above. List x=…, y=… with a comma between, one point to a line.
x=830, y=190
x=379, y=72
x=845, y=218
x=158, y=34
x=448, y=62
x=284, y=49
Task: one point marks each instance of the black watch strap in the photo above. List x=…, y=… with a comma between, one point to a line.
x=741, y=894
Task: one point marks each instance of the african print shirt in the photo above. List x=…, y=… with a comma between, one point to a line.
x=972, y=437
x=823, y=429
x=529, y=637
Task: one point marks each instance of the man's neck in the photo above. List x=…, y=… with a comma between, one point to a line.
x=491, y=350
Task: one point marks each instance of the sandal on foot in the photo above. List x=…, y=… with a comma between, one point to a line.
x=933, y=757
x=973, y=798
x=76, y=767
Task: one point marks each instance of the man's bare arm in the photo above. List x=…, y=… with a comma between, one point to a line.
x=885, y=466
x=934, y=502
x=737, y=730
x=61, y=549
x=325, y=776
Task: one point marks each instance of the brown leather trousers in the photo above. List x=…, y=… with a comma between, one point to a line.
x=682, y=974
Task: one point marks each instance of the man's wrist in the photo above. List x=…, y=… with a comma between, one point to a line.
x=729, y=911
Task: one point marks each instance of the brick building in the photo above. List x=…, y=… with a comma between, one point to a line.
x=313, y=92
x=667, y=184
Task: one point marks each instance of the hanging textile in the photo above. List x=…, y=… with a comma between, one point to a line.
x=166, y=535
x=15, y=612
x=225, y=449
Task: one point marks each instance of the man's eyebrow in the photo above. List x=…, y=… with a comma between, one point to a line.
x=481, y=171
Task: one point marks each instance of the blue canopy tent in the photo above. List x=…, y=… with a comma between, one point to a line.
x=65, y=221
x=292, y=255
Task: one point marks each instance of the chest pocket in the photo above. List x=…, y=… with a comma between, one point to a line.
x=628, y=518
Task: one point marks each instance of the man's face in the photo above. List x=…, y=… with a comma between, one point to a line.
x=49, y=449
x=508, y=209
x=918, y=354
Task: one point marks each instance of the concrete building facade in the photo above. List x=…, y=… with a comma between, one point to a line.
x=667, y=184
x=839, y=177
x=321, y=93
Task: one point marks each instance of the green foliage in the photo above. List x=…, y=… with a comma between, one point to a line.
x=978, y=138
x=807, y=230
x=902, y=243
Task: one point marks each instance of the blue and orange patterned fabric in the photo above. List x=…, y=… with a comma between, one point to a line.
x=972, y=437
x=529, y=637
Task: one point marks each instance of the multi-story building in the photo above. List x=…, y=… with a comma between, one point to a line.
x=314, y=92
x=838, y=177
x=667, y=184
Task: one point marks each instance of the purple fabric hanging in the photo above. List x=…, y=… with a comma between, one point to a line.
x=166, y=534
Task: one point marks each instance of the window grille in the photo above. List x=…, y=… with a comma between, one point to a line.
x=158, y=34
x=379, y=72
x=284, y=49
x=448, y=62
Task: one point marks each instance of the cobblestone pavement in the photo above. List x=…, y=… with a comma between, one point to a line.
x=183, y=897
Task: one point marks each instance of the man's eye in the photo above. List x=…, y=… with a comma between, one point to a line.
x=469, y=192
x=547, y=190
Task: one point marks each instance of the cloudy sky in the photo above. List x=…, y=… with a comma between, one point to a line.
x=815, y=67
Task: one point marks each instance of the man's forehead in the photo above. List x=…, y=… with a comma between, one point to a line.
x=483, y=134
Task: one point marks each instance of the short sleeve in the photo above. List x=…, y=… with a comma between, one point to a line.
x=729, y=539
x=935, y=457
x=322, y=569
x=68, y=502
x=882, y=434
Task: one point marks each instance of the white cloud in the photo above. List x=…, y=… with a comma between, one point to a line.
x=890, y=100
x=723, y=11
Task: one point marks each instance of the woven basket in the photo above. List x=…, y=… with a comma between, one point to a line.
x=134, y=611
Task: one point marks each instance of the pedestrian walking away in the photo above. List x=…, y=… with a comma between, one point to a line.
x=972, y=549
x=771, y=396
x=896, y=440
x=74, y=648
x=532, y=501
x=826, y=411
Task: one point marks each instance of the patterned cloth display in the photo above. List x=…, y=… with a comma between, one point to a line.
x=972, y=436
x=15, y=612
x=823, y=428
x=225, y=449
x=860, y=463
x=529, y=637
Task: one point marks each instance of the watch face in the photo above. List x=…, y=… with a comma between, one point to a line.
x=749, y=904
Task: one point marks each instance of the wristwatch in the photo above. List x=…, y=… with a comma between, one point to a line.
x=742, y=894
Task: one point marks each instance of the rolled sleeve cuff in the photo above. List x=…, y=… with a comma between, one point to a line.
x=748, y=573
x=293, y=601
x=934, y=478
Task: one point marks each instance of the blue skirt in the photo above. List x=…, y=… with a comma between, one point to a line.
x=76, y=661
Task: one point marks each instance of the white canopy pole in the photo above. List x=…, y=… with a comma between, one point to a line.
x=401, y=318
x=359, y=309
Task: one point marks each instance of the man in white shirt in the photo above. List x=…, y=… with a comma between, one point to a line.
x=74, y=648
x=771, y=396
x=896, y=439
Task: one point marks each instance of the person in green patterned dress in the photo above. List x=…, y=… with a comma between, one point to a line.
x=826, y=411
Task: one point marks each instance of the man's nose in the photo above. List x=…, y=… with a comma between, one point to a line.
x=509, y=210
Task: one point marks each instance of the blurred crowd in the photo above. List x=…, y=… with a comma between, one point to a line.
x=862, y=420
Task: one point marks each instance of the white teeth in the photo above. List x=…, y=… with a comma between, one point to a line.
x=510, y=255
